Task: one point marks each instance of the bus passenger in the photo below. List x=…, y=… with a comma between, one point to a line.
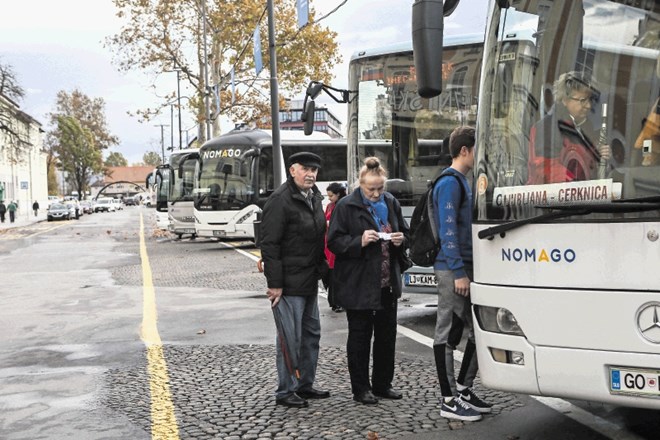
x=336, y=191
x=563, y=144
x=368, y=236
x=292, y=248
x=650, y=132
x=454, y=271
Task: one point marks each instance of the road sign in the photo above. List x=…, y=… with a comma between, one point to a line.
x=24, y=184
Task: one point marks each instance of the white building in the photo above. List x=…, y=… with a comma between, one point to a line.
x=23, y=171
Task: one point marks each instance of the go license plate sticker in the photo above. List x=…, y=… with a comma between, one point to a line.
x=637, y=381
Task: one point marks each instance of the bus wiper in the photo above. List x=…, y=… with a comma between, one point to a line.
x=490, y=233
x=649, y=199
x=179, y=199
x=570, y=210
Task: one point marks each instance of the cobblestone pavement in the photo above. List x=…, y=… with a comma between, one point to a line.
x=227, y=392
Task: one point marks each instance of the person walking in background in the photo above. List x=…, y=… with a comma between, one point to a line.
x=369, y=238
x=3, y=211
x=12, y=211
x=35, y=208
x=336, y=191
x=292, y=247
x=452, y=201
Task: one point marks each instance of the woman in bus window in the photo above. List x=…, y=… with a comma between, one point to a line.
x=336, y=191
x=563, y=144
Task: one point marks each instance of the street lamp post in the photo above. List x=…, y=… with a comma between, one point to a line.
x=178, y=101
x=162, y=139
x=172, y=128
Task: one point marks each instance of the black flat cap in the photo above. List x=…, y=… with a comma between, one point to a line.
x=305, y=159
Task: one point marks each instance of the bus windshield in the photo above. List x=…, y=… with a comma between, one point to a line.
x=390, y=120
x=182, y=187
x=225, y=179
x=570, y=112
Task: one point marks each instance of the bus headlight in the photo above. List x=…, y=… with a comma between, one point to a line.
x=497, y=320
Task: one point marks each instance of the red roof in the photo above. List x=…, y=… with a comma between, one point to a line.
x=128, y=174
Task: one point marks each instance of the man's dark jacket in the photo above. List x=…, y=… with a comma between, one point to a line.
x=357, y=272
x=293, y=241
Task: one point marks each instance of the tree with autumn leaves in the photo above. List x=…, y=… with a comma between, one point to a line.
x=77, y=153
x=79, y=134
x=161, y=35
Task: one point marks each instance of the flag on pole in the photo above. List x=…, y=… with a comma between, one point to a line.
x=233, y=85
x=258, y=63
x=303, y=12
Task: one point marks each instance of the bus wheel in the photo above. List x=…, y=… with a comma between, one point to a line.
x=194, y=236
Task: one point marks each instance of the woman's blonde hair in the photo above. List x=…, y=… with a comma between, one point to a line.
x=372, y=166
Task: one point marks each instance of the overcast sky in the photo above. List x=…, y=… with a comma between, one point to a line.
x=58, y=45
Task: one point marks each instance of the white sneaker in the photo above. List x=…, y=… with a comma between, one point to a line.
x=459, y=410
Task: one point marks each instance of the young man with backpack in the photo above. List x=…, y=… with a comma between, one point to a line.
x=452, y=204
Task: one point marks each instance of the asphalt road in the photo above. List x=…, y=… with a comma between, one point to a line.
x=111, y=331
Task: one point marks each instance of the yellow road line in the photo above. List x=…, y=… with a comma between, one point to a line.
x=163, y=419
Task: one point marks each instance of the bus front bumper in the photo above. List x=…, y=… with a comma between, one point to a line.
x=561, y=372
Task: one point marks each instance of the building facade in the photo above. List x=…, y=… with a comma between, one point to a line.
x=122, y=182
x=23, y=168
x=324, y=120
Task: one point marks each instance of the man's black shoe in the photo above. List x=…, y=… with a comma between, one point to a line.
x=313, y=393
x=292, y=401
x=365, y=397
x=389, y=393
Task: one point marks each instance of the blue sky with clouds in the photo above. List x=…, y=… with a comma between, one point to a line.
x=58, y=45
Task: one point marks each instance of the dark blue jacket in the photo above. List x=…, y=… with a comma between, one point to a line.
x=455, y=222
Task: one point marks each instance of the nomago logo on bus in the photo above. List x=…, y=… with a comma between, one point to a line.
x=228, y=152
x=538, y=255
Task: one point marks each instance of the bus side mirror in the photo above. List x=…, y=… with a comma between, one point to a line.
x=427, y=29
x=308, y=117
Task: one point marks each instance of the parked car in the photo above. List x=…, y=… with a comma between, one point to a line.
x=53, y=199
x=118, y=204
x=104, y=205
x=58, y=211
x=87, y=207
x=129, y=201
x=74, y=208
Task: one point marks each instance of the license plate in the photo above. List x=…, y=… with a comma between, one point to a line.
x=419, y=279
x=219, y=233
x=626, y=380
x=188, y=231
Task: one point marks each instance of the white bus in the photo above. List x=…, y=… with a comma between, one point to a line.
x=235, y=177
x=389, y=119
x=176, y=181
x=566, y=295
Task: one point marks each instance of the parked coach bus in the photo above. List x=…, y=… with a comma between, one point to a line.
x=389, y=119
x=235, y=177
x=566, y=298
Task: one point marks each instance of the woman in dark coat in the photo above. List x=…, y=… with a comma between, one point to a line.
x=369, y=236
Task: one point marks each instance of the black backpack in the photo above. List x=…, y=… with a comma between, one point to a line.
x=424, y=240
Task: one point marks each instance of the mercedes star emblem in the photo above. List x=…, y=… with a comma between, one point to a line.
x=648, y=321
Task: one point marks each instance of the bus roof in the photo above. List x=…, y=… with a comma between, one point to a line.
x=258, y=136
x=448, y=41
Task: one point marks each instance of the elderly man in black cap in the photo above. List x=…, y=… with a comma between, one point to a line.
x=292, y=248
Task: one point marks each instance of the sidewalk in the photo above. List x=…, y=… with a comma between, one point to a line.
x=22, y=219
